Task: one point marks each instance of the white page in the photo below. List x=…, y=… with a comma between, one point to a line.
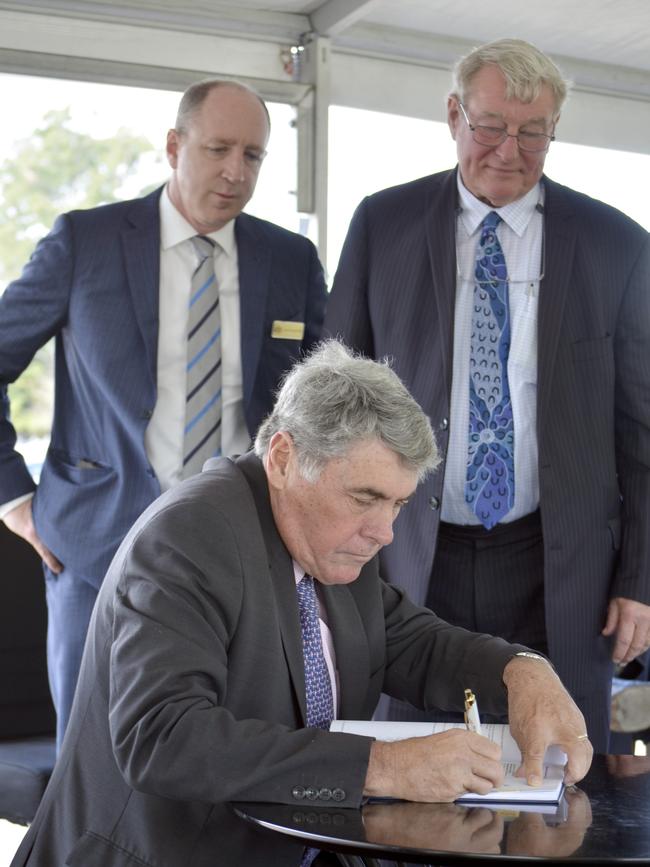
x=513, y=788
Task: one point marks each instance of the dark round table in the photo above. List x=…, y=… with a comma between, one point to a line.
x=604, y=820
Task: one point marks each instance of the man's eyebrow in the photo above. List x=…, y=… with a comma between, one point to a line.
x=218, y=139
x=497, y=116
x=377, y=495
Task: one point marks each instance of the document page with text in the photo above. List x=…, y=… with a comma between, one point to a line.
x=513, y=788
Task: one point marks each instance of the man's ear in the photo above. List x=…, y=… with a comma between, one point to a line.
x=279, y=459
x=453, y=114
x=172, y=147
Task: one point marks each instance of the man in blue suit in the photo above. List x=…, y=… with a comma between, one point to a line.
x=563, y=564
x=113, y=285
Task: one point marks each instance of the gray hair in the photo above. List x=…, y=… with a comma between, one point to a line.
x=334, y=399
x=526, y=70
x=196, y=94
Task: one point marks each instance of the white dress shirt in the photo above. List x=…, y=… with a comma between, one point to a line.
x=521, y=236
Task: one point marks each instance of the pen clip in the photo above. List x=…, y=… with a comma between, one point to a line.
x=470, y=699
x=472, y=719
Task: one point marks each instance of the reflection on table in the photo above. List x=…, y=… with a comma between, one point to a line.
x=606, y=819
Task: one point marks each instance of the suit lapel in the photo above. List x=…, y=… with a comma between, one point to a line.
x=254, y=265
x=559, y=242
x=141, y=246
x=282, y=577
x=440, y=222
x=351, y=647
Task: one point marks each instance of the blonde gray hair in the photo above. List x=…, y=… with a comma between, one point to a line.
x=525, y=68
x=333, y=399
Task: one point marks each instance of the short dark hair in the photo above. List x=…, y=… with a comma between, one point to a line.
x=196, y=93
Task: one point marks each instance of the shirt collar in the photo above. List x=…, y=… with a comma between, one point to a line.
x=174, y=228
x=517, y=215
x=298, y=572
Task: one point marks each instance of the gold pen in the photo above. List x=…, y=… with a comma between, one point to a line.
x=472, y=719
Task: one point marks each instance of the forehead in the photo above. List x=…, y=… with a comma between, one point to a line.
x=231, y=112
x=487, y=95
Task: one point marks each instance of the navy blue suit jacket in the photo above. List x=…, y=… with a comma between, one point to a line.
x=394, y=295
x=93, y=284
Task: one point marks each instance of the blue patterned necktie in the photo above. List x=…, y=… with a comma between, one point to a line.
x=490, y=483
x=202, y=433
x=318, y=687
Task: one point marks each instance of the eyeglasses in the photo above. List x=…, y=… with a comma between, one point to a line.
x=492, y=136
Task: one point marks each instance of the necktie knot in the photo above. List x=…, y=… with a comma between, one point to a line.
x=203, y=247
x=491, y=221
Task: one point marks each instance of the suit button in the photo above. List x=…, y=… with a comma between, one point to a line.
x=444, y=424
x=147, y=413
x=338, y=794
x=325, y=794
x=298, y=793
x=311, y=793
x=434, y=502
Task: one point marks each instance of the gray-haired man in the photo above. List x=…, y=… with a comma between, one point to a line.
x=194, y=690
x=538, y=527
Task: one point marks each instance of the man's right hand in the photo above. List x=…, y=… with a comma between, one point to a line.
x=435, y=768
x=20, y=522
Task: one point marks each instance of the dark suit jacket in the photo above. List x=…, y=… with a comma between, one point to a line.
x=93, y=284
x=192, y=691
x=394, y=295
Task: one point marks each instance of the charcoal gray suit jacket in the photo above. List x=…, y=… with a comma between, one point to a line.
x=192, y=690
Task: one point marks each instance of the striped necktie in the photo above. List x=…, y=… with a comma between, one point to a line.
x=490, y=483
x=202, y=433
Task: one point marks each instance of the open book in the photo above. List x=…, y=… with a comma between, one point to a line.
x=514, y=789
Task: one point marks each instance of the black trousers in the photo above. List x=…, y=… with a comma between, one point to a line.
x=492, y=580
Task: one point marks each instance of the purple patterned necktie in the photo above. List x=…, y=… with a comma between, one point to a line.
x=490, y=483
x=318, y=687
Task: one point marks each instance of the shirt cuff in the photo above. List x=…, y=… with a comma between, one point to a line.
x=5, y=508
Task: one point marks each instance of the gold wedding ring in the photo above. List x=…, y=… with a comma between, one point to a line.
x=582, y=737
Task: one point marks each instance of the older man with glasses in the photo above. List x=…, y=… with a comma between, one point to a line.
x=532, y=300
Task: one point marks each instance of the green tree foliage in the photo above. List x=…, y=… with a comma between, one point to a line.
x=56, y=169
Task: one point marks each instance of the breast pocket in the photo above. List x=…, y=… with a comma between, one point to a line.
x=594, y=349
x=523, y=343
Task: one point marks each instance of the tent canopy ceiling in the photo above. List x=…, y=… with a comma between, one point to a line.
x=598, y=40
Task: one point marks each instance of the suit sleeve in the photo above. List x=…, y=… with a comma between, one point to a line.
x=348, y=313
x=430, y=663
x=632, y=419
x=32, y=310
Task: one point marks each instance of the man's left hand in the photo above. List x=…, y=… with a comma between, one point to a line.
x=542, y=713
x=630, y=621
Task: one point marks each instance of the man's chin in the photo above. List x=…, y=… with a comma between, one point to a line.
x=342, y=575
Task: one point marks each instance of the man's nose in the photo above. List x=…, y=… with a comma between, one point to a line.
x=232, y=168
x=380, y=527
x=509, y=148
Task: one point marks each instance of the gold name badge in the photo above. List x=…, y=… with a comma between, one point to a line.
x=287, y=330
